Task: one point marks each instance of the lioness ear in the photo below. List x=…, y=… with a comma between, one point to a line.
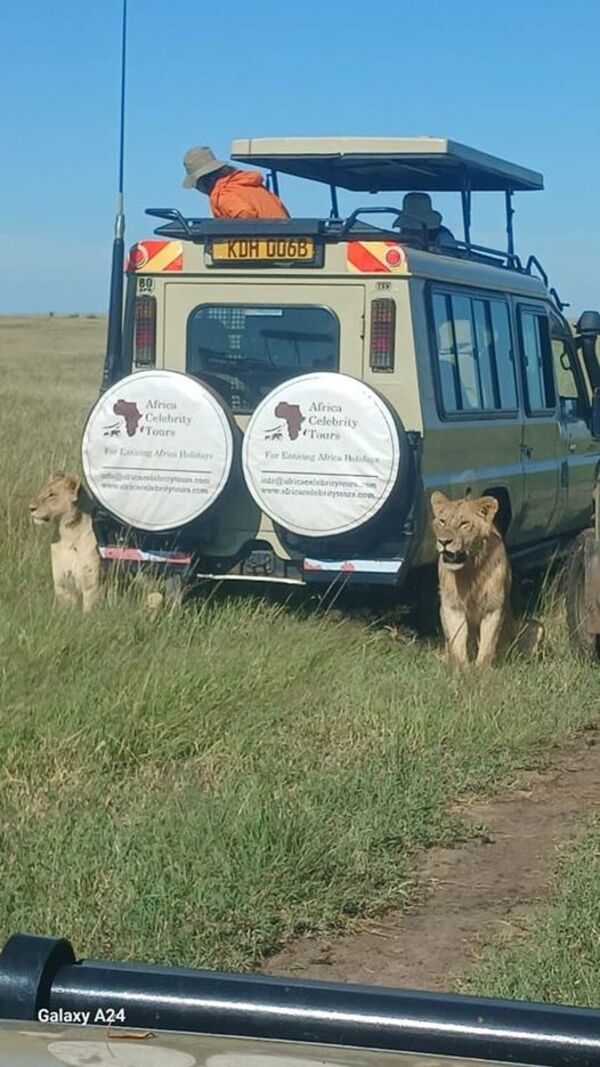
x=74, y=485
x=437, y=501
x=487, y=507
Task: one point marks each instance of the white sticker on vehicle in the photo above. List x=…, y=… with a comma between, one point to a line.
x=157, y=450
x=321, y=454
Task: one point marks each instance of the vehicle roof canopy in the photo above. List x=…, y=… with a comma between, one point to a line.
x=378, y=164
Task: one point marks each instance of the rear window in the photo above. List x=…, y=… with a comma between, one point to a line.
x=245, y=352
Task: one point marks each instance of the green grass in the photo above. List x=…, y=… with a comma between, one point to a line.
x=555, y=954
x=197, y=788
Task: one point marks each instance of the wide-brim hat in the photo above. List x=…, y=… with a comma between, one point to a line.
x=417, y=213
x=199, y=162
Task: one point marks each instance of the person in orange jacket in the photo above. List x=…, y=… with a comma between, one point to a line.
x=233, y=194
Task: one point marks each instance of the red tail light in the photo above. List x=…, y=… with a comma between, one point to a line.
x=383, y=331
x=144, y=336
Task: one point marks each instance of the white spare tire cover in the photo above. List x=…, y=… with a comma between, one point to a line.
x=321, y=454
x=157, y=449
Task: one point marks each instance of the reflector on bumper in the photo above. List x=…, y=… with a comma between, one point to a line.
x=117, y=553
x=355, y=566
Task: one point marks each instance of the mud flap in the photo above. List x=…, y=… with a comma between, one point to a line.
x=592, y=584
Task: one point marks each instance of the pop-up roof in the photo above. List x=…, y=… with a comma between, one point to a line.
x=378, y=164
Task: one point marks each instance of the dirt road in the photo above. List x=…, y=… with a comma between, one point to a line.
x=469, y=889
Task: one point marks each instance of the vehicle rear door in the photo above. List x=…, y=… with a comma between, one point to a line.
x=245, y=337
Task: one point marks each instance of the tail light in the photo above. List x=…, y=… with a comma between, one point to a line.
x=383, y=332
x=144, y=331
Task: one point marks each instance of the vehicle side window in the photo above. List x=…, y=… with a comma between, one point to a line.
x=537, y=361
x=474, y=354
x=446, y=352
x=466, y=354
x=571, y=391
x=501, y=337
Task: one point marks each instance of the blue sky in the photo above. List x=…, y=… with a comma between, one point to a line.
x=520, y=79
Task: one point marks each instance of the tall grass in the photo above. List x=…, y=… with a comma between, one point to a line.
x=199, y=787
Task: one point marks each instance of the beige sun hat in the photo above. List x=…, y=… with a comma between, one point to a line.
x=417, y=212
x=199, y=162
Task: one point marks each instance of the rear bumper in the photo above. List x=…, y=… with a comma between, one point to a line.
x=259, y=559
x=370, y=571
x=260, y=565
x=125, y=554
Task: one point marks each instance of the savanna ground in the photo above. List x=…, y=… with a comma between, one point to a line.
x=200, y=788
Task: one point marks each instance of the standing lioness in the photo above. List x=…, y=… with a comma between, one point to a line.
x=475, y=581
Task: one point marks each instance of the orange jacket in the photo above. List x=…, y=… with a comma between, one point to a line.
x=242, y=195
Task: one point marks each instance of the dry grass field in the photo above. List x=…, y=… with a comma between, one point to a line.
x=199, y=788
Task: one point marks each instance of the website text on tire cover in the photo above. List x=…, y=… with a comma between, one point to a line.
x=301, y=385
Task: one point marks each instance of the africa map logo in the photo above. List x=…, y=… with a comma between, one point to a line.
x=292, y=416
x=129, y=412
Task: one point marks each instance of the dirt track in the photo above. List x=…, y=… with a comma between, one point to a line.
x=469, y=889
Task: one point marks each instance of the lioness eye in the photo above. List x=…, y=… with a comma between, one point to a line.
x=442, y=522
x=463, y=523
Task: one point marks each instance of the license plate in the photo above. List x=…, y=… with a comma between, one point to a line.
x=264, y=250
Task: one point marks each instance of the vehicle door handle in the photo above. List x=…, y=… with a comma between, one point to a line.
x=527, y=451
x=572, y=446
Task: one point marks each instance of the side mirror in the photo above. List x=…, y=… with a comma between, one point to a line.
x=595, y=427
x=587, y=332
x=588, y=323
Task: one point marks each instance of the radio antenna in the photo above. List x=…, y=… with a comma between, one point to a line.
x=113, y=359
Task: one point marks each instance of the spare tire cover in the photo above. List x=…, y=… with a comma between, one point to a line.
x=321, y=454
x=157, y=449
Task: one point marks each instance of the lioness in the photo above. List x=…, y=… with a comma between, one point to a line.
x=76, y=569
x=475, y=581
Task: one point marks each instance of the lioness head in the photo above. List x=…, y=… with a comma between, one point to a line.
x=461, y=527
x=57, y=500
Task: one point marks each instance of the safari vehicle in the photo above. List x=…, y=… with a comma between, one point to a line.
x=286, y=394
x=57, y=1008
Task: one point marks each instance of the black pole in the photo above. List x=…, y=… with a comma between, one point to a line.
x=40, y=973
x=113, y=359
x=510, y=236
x=465, y=196
x=335, y=208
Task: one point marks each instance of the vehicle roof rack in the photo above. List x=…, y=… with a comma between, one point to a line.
x=334, y=229
x=387, y=164
x=198, y=229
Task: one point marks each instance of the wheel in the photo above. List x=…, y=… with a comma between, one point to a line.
x=583, y=641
